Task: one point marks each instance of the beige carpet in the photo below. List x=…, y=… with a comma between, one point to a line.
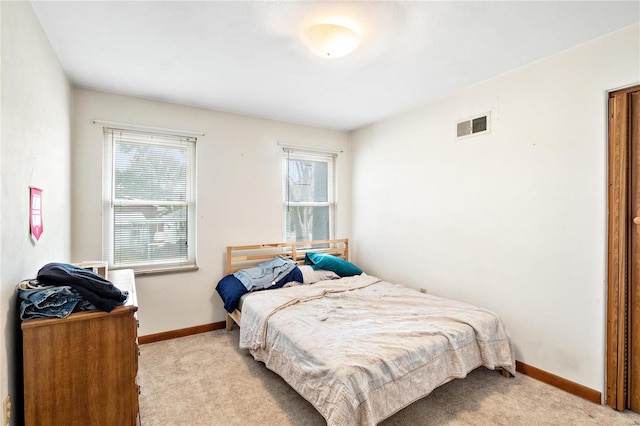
x=206, y=380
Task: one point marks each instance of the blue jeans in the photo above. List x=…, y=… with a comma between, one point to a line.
x=46, y=301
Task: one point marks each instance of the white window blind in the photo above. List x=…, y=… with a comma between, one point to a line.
x=309, y=195
x=149, y=200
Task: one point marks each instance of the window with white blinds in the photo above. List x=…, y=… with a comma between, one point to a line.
x=309, y=195
x=149, y=197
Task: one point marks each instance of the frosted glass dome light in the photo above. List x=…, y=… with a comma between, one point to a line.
x=330, y=40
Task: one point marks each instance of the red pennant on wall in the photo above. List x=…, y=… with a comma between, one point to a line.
x=35, y=212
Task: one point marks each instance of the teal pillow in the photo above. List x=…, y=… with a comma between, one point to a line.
x=329, y=262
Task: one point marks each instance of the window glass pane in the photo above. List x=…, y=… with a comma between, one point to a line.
x=307, y=180
x=147, y=234
x=148, y=172
x=307, y=223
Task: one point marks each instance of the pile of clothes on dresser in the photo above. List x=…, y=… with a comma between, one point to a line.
x=60, y=289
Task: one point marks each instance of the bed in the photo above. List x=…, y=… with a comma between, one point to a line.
x=359, y=348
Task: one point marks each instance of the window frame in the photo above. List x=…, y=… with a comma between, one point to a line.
x=311, y=155
x=110, y=203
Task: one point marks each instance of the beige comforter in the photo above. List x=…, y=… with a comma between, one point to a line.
x=360, y=349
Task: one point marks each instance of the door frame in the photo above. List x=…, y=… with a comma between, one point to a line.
x=617, y=245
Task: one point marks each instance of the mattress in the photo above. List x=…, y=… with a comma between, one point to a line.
x=360, y=349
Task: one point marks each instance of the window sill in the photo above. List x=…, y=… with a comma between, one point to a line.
x=162, y=270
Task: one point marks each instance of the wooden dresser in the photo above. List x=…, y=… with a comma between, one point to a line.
x=82, y=370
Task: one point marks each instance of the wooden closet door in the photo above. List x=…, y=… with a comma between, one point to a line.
x=633, y=108
x=623, y=259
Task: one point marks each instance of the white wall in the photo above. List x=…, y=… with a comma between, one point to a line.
x=515, y=220
x=34, y=151
x=239, y=194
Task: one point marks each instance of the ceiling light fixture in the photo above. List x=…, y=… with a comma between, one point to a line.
x=330, y=40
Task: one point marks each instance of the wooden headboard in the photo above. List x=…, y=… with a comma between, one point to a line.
x=240, y=257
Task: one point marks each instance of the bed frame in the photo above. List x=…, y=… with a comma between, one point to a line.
x=240, y=257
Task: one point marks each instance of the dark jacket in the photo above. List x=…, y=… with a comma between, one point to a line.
x=91, y=286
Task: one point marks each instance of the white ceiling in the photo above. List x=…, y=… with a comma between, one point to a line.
x=246, y=57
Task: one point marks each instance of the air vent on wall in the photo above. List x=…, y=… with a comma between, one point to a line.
x=473, y=126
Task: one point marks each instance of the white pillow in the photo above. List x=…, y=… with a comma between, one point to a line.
x=310, y=276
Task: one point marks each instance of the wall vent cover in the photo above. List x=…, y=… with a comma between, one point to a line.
x=473, y=126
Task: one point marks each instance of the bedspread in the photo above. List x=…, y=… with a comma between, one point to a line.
x=360, y=349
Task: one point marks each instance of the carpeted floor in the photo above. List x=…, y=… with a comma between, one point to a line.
x=206, y=380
